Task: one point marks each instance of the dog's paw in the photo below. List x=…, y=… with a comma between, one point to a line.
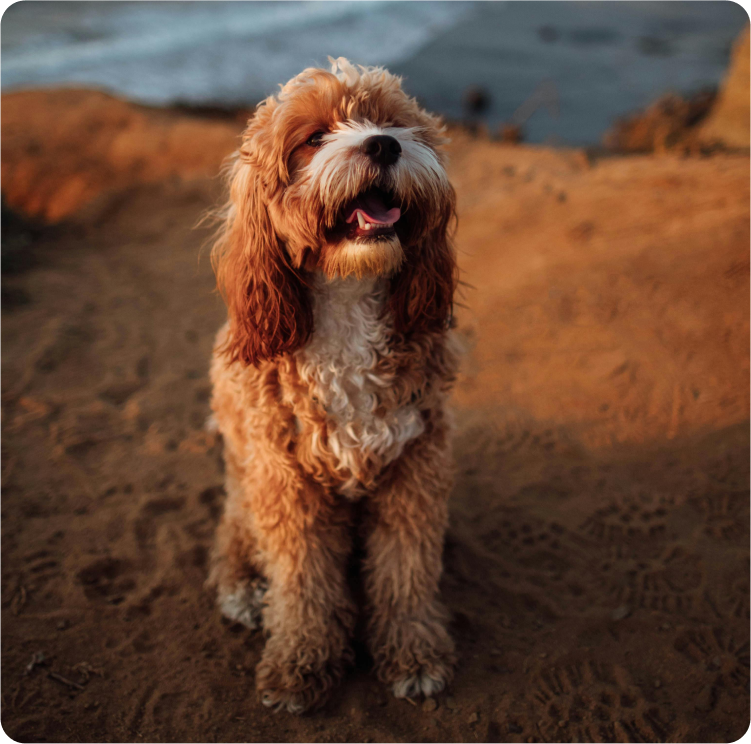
x=294, y=689
x=415, y=658
x=244, y=604
x=425, y=682
x=285, y=700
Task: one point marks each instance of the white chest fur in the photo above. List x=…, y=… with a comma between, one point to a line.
x=340, y=365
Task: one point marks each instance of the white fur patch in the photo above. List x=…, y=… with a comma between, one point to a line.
x=338, y=167
x=244, y=605
x=340, y=365
x=344, y=70
x=279, y=702
x=413, y=686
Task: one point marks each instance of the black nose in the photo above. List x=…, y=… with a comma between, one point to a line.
x=382, y=149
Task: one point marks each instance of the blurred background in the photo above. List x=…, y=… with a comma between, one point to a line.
x=565, y=70
x=597, y=561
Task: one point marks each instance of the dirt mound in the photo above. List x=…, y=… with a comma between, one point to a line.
x=612, y=299
x=728, y=123
x=695, y=124
x=597, y=560
x=665, y=125
x=63, y=148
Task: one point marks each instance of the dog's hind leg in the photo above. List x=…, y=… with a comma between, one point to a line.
x=239, y=584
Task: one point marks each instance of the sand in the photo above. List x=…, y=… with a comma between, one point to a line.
x=597, y=559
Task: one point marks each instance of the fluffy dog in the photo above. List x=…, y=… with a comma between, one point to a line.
x=330, y=382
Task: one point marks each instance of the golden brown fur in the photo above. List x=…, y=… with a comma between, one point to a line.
x=330, y=381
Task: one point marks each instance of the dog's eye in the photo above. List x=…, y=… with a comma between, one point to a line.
x=315, y=139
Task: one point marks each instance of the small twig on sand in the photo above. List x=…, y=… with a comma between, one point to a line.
x=19, y=600
x=36, y=660
x=86, y=670
x=65, y=681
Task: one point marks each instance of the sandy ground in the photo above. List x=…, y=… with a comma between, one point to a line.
x=597, y=560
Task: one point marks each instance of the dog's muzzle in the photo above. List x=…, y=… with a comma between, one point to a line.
x=382, y=149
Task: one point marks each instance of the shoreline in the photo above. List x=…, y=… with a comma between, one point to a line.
x=568, y=70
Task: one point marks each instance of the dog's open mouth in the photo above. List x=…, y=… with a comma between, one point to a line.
x=371, y=215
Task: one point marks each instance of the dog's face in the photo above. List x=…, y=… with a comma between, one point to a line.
x=359, y=177
x=341, y=173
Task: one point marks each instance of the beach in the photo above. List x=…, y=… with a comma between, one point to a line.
x=596, y=564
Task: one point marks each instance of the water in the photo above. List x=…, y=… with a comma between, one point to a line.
x=577, y=65
x=205, y=52
x=586, y=63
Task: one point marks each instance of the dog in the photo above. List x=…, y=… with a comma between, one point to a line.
x=330, y=380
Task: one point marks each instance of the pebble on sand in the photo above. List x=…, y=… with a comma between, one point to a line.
x=621, y=612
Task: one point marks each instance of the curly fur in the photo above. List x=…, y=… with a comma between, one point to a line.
x=330, y=384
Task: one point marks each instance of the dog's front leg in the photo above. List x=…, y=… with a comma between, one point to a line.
x=408, y=515
x=303, y=535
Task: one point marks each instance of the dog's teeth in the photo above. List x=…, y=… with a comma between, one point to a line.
x=365, y=225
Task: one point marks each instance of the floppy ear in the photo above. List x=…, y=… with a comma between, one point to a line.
x=422, y=293
x=267, y=302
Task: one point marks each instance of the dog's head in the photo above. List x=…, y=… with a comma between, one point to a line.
x=341, y=173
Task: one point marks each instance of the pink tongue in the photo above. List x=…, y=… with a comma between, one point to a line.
x=373, y=210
